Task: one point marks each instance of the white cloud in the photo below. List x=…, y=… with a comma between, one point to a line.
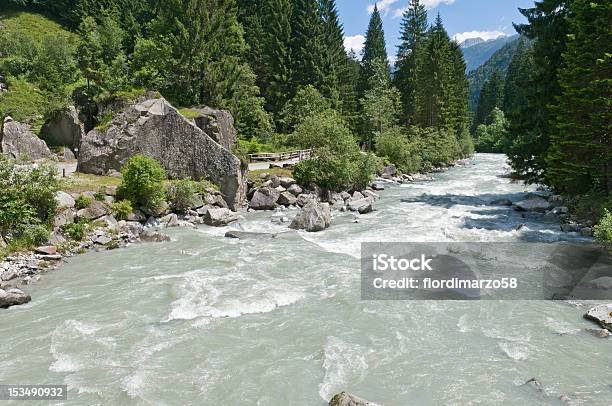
x=429, y=4
x=383, y=6
x=354, y=42
x=486, y=35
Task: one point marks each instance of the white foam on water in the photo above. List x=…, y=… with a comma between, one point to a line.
x=343, y=363
x=134, y=384
x=65, y=363
x=515, y=351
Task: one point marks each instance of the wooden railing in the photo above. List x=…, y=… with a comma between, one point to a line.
x=281, y=156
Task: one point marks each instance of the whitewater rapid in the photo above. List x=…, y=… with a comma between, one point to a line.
x=209, y=320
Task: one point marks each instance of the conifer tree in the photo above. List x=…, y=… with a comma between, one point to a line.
x=580, y=157
x=491, y=97
x=413, y=31
x=307, y=47
x=374, y=49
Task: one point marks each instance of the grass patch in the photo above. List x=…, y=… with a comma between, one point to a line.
x=32, y=25
x=189, y=113
x=24, y=102
x=280, y=172
x=83, y=182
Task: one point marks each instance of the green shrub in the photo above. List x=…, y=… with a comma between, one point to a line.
x=35, y=234
x=143, y=182
x=399, y=150
x=180, y=194
x=27, y=201
x=100, y=195
x=121, y=209
x=603, y=230
x=75, y=231
x=82, y=202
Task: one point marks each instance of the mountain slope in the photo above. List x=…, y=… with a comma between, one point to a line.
x=499, y=60
x=476, y=55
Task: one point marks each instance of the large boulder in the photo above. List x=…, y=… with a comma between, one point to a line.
x=362, y=206
x=315, y=216
x=64, y=128
x=346, y=399
x=219, y=217
x=535, y=204
x=601, y=314
x=13, y=297
x=265, y=198
x=217, y=124
x=18, y=141
x=156, y=129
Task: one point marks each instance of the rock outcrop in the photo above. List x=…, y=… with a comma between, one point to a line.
x=346, y=399
x=217, y=124
x=601, y=314
x=13, y=297
x=315, y=216
x=64, y=129
x=18, y=141
x=156, y=129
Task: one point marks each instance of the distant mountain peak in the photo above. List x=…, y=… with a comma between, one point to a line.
x=471, y=42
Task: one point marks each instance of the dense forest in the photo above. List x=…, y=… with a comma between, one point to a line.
x=281, y=68
x=551, y=113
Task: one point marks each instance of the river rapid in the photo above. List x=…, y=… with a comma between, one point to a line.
x=208, y=320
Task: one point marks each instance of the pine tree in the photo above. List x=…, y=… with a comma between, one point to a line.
x=307, y=47
x=514, y=96
x=413, y=31
x=548, y=27
x=580, y=157
x=460, y=94
x=374, y=49
x=491, y=97
x=433, y=95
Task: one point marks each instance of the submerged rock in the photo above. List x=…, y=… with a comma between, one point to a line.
x=501, y=202
x=18, y=141
x=534, y=204
x=601, y=314
x=315, y=216
x=13, y=297
x=346, y=399
x=150, y=235
x=156, y=129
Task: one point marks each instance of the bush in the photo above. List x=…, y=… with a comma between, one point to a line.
x=75, y=231
x=82, y=202
x=121, y=209
x=337, y=162
x=100, y=195
x=399, y=150
x=27, y=201
x=603, y=230
x=143, y=182
x=180, y=194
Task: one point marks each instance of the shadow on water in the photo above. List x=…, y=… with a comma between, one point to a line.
x=492, y=217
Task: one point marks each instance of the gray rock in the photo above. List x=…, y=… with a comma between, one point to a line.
x=286, y=181
x=136, y=215
x=601, y=314
x=217, y=124
x=560, y=210
x=95, y=210
x=534, y=204
x=377, y=186
x=287, y=199
x=65, y=216
x=56, y=238
x=501, y=202
x=315, y=216
x=362, y=206
x=9, y=275
x=370, y=194
x=197, y=201
x=63, y=200
x=346, y=399
x=244, y=235
x=103, y=240
x=389, y=171
x=357, y=195
x=66, y=155
x=156, y=129
x=110, y=222
x=152, y=222
x=46, y=249
x=570, y=228
x=598, y=332
x=264, y=198
x=219, y=217
x=64, y=129
x=150, y=235
x=13, y=297
x=586, y=232
x=111, y=190
x=170, y=220
x=304, y=199
x=345, y=195
x=131, y=227
x=295, y=189
x=18, y=141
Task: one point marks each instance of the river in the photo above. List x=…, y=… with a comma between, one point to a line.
x=207, y=320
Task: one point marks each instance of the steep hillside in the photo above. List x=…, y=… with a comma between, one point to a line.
x=499, y=60
x=476, y=55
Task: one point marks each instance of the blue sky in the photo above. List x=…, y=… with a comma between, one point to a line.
x=464, y=18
